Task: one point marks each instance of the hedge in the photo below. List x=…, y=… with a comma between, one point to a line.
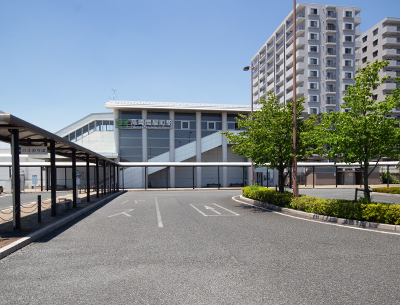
x=374, y=212
x=390, y=190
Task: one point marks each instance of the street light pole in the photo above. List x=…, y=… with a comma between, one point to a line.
x=251, y=110
x=295, y=188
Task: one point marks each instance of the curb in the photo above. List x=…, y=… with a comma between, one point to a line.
x=344, y=221
x=24, y=241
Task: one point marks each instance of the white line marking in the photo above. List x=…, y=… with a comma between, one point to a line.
x=320, y=222
x=226, y=209
x=160, y=224
x=123, y=213
x=199, y=210
x=212, y=209
x=125, y=202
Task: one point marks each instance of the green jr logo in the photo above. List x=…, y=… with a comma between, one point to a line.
x=122, y=123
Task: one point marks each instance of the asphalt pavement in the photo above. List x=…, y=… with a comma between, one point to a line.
x=202, y=247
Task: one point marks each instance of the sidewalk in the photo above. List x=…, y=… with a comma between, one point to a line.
x=29, y=217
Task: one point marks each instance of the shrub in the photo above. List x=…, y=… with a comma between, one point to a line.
x=266, y=195
x=360, y=210
x=390, y=190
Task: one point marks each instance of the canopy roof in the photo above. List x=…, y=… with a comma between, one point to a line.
x=31, y=135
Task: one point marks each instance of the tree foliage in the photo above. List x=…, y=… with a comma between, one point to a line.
x=268, y=136
x=364, y=133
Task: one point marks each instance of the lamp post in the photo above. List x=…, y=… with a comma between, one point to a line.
x=295, y=188
x=247, y=68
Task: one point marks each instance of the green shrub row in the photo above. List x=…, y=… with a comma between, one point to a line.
x=268, y=195
x=390, y=190
x=374, y=212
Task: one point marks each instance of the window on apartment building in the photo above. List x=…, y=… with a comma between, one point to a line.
x=375, y=97
x=348, y=14
x=330, y=88
x=331, y=38
x=348, y=38
x=364, y=60
x=330, y=100
x=331, y=14
x=313, y=86
x=314, y=49
x=313, y=36
x=364, y=39
x=348, y=75
x=313, y=110
x=313, y=23
x=375, y=54
x=348, y=26
x=364, y=49
x=348, y=63
x=313, y=73
x=313, y=98
x=346, y=87
x=348, y=51
x=397, y=62
x=375, y=43
x=313, y=11
x=328, y=111
x=330, y=63
x=398, y=28
x=313, y=61
x=331, y=51
x=375, y=32
x=330, y=75
x=331, y=27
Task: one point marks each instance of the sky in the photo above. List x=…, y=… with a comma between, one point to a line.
x=60, y=60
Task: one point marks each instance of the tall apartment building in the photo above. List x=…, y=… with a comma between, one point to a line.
x=326, y=57
x=382, y=42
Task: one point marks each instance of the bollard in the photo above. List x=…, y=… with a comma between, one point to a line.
x=39, y=202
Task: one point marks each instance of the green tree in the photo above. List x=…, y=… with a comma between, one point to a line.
x=363, y=133
x=268, y=136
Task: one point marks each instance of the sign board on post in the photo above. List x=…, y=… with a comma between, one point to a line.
x=33, y=150
x=34, y=179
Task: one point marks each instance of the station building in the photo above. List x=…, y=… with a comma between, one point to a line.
x=139, y=133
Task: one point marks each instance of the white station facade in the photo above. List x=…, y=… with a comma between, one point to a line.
x=150, y=133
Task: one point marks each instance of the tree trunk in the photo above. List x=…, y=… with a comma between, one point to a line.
x=365, y=174
x=281, y=179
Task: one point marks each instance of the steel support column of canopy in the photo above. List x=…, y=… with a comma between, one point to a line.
x=110, y=176
x=16, y=180
x=117, y=178
x=97, y=178
x=53, y=178
x=74, y=186
x=104, y=178
x=87, y=179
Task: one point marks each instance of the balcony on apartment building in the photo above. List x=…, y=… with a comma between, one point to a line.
x=300, y=66
x=330, y=52
x=390, y=30
x=279, y=59
x=331, y=27
x=279, y=37
x=391, y=41
x=394, y=63
x=389, y=86
x=331, y=64
x=300, y=43
x=330, y=89
x=392, y=52
x=270, y=57
x=299, y=93
x=330, y=15
x=330, y=101
x=270, y=77
x=330, y=77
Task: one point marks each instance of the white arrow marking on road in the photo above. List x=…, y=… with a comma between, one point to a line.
x=212, y=209
x=226, y=209
x=123, y=213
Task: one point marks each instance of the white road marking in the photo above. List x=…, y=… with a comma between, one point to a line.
x=125, y=202
x=226, y=209
x=320, y=222
x=198, y=210
x=160, y=224
x=217, y=213
x=212, y=209
x=123, y=213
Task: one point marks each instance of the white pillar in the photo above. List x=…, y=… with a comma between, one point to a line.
x=198, y=147
x=224, y=149
x=116, y=133
x=144, y=149
x=172, y=149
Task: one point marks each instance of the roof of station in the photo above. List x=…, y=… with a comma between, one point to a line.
x=31, y=135
x=191, y=107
